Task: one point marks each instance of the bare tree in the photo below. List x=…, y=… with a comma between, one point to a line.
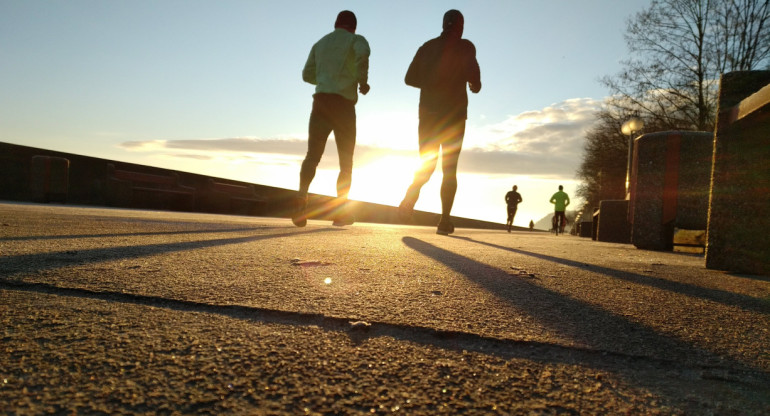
x=678, y=50
x=605, y=156
x=665, y=77
x=742, y=38
x=603, y=169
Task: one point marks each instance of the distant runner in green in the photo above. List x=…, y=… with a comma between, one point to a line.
x=560, y=200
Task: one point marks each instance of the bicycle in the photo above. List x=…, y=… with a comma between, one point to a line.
x=555, y=223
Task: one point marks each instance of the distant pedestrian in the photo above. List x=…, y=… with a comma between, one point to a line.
x=560, y=200
x=531, y=225
x=512, y=199
x=338, y=64
x=441, y=69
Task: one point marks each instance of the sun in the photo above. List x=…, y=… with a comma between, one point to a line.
x=383, y=180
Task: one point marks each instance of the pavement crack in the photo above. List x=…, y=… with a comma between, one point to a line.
x=359, y=331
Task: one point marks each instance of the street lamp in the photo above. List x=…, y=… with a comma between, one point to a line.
x=629, y=128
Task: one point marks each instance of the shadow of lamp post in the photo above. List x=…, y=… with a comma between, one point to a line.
x=630, y=128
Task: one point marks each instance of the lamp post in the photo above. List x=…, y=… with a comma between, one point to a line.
x=629, y=128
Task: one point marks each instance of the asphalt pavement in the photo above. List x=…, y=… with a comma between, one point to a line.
x=113, y=311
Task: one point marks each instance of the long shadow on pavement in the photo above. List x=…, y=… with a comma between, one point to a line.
x=610, y=337
x=613, y=340
x=53, y=260
x=716, y=295
x=139, y=234
x=576, y=320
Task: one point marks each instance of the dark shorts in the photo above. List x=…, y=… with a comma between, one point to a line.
x=332, y=113
x=445, y=134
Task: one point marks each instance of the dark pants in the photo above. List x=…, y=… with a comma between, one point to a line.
x=511, y=213
x=438, y=133
x=331, y=112
x=558, y=219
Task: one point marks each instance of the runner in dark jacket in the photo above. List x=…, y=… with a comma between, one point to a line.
x=441, y=69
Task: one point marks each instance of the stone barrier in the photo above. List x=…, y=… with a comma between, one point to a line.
x=584, y=229
x=49, y=179
x=739, y=224
x=88, y=183
x=613, y=224
x=669, y=186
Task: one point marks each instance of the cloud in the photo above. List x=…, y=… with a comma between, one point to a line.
x=289, y=146
x=546, y=142
x=540, y=143
x=256, y=150
x=195, y=157
x=481, y=161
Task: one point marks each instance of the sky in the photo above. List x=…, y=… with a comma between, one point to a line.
x=215, y=88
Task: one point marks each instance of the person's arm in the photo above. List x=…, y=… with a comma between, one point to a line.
x=362, y=51
x=308, y=72
x=520, y=199
x=566, y=201
x=553, y=199
x=474, y=72
x=413, y=76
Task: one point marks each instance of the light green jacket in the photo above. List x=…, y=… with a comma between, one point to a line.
x=338, y=63
x=560, y=200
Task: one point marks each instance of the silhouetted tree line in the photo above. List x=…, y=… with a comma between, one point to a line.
x=678, y=50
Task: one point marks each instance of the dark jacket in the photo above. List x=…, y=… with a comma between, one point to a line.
x=441, y=69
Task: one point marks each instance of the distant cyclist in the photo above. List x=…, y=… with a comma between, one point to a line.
x=561, y=201
x=512, y=198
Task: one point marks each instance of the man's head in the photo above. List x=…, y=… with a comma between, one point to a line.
x=515, y=187
x=346, y=20
x=561, y=188
x=453, y=23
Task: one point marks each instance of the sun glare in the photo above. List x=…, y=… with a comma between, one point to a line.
x=383, y=180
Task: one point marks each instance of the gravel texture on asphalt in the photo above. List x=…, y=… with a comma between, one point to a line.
x=120, y=311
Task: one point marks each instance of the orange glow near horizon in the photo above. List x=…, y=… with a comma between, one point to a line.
x=383, y=180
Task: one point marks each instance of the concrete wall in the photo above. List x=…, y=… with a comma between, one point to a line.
x=613, y=224
x=87, y=181
x=739, y=211
x=669, y=186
